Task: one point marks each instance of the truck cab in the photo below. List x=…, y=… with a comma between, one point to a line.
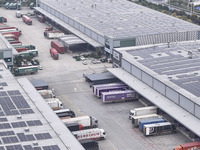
x=54, y=53
x=94, y=122
x=131, y=114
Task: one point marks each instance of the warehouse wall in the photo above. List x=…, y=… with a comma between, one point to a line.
x=162, y=88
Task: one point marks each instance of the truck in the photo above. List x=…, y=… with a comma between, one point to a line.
x=29, y=47
x=149, y=121
x=18, y=5
x=95, y=87
x=32, y=53
x=188, y=146
x=6, y=5
x=136, y=119
x=142, y=111
x=110, y=88
x=54, y=53
x=96, y=134
x=58, y=46
x=16, y=33
x=53, y=34
x=3, y=19
x=54, y=103
x=24, y=70
x=27, y=20
x=47, y=94
x=117, y=96
x=41, y=18
x=85, y=121
x=89, y=144
x=74, y=127
x=18, y=14
x=158, y=129
x=65, y=113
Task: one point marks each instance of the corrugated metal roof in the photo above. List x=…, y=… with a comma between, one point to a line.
x=175, y=111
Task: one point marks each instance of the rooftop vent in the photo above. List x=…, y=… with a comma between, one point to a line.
x=26, y=129
x=159, y=54
x=135, y=57
x=170, y=78
x=198, y=49
x=190, y=54
x=19, y=117
x=1, y=87
x=35, y=143
x=196, y=73
x=179, y=51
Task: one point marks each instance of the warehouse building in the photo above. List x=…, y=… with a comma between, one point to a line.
x=116, y=23
x=6, y=51
x=168, y=75
x=26, y=121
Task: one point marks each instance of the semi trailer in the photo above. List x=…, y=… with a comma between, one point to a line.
x=110, y=88
x=117, y=96
x=24, y=70
x=27, y=20
x=85, y=121
x=188, y=146
x=89, y=144
x=65, y=113
x=54, y=103
x=158, y=129
x=58, y=46
x=47, y=94
x=53, y=34
x=136, y=119
x=54, y=53
x=74, y=126
x=149, y=121
x=96, y=134
x=16, y=33
x=143, y=111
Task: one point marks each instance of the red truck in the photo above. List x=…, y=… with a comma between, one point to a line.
x=54, y=53
x=27, y=20
x=20, y=49
x=58, y=46
x=16, y=33
x=188, y=146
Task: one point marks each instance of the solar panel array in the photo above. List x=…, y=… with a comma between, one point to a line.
x=180, y=62
x=120, y=19
x=12, y=103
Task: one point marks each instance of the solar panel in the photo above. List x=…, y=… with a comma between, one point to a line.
x=37, y=148
x=7, y=133
x=14, y=92
x=3, y=119
x=14, y=147
x=30, y=137
x=3, y=93
x=51, y=147
x=27, y=147
x=21, y=137
x=3, y=84
x=34, y=123
x=2, y=148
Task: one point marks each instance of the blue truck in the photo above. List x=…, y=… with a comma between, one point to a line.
x=149, y=121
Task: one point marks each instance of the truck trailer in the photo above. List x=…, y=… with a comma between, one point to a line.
x=16, y=33
x=65, y=113
x=143, y=111
x=53, y=34
x=95, y=87
x=188, y=146
x=27, y=20
x=110, y=88
x=58, y=46
x=47, y=94
x=89, y=144
x=96, y=134
x=158, y=129
x=54, y=53
x=54, y=103
x=74, y=127
x=25, y=70
x=117, y=96
x=149, y=121
x=85, y=121
x=136, y=119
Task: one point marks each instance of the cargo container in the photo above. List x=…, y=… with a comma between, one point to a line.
x=54, y=103
x=95, y=87
x=54, y=53
x=41, y=18
x=188, y=146
x=110, y=88
x=53, y=34
x=96, y=134
x=136, y=119
x=85, y=121
x=25, y=70
x=65, y=113
x=143, y=111
x=27, y=20
x=89, y=144
x=74, y=127
x=58, y=46
x=3, y=19
x=158, y=129
x=40, y=84
x=117, y=96
x=47, y=94
x=149, y=121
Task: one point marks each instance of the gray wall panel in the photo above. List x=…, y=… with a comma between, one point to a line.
x=94, y=35
x=126, y=65
x=7, y=54
x=66, y=19
x=136, y=72
x=76, y=25
x=87, y=32
x=82, y=28
x=101, y=39
x=71, y=22
x=187, y=104
x=172, y=95
x=158, y=86
x=197, y=111
x=147, y=79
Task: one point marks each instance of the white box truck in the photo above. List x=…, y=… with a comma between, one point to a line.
x=47, y=94
x=136, y=119
x=85, y=121
x=142, y=111
x=54, y=103
x=95, y=133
